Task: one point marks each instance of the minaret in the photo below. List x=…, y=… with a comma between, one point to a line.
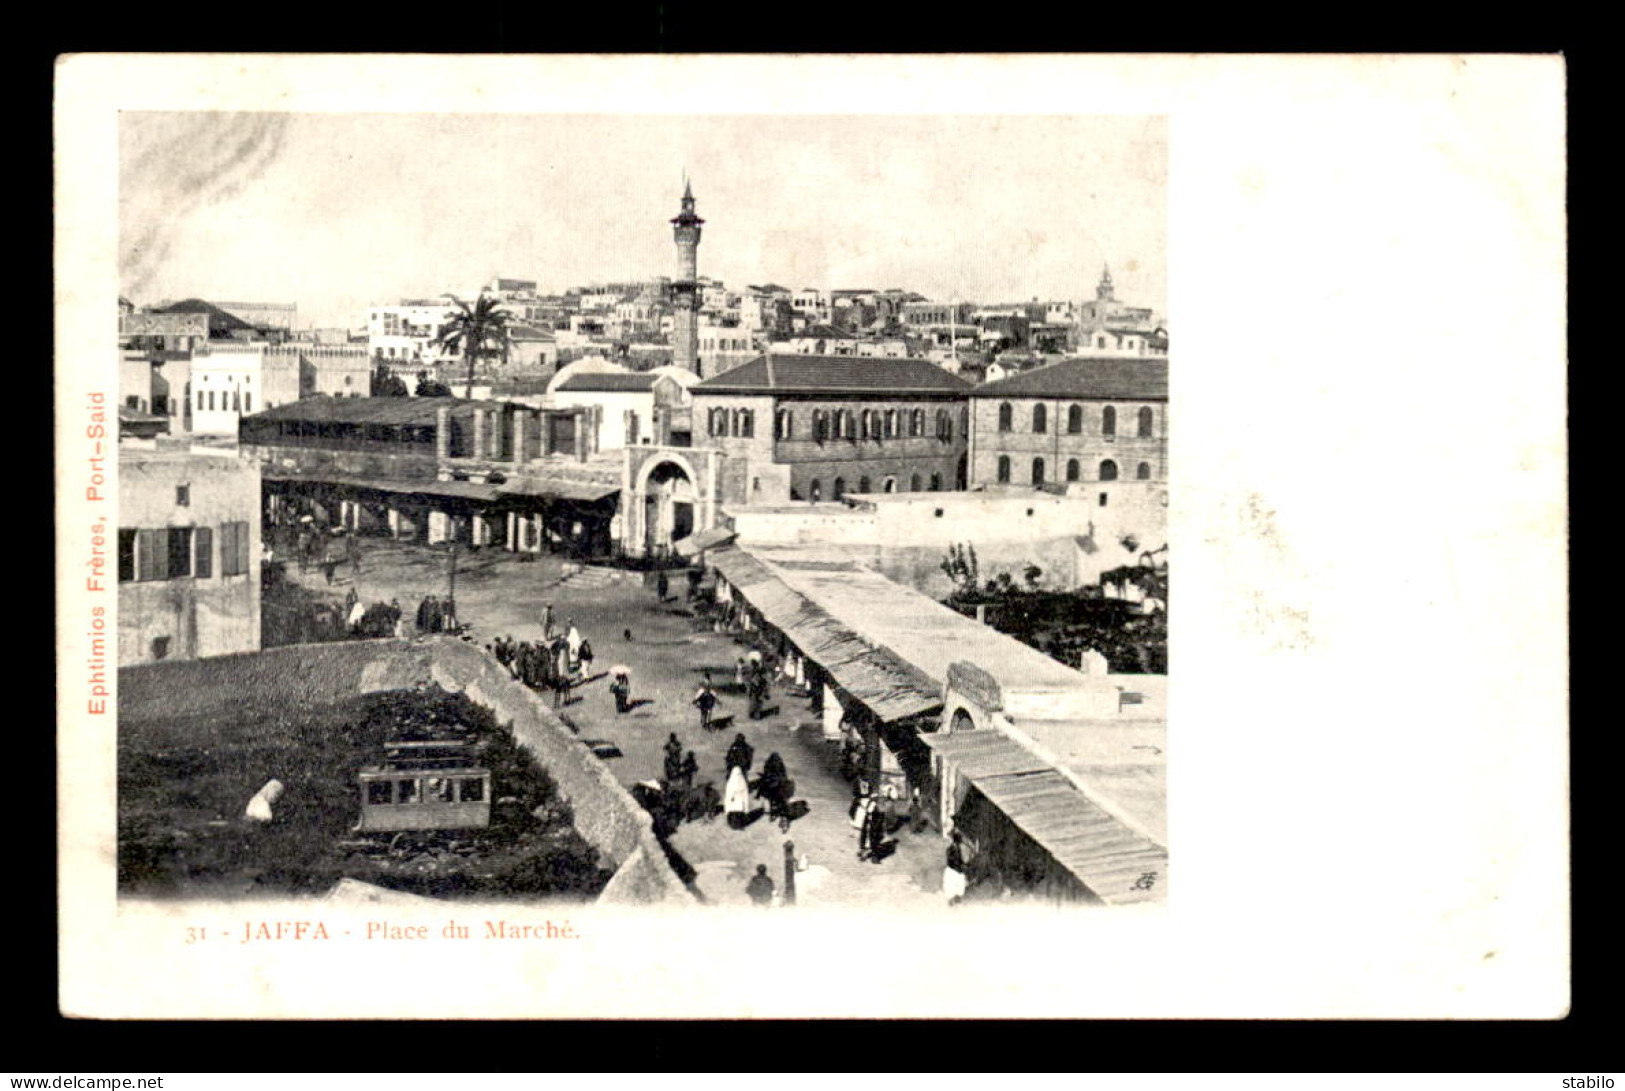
x=685, y=290
x=1103, y=290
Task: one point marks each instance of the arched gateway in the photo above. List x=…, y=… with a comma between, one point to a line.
x=669, y=499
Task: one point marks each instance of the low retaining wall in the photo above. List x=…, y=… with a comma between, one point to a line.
x=604, y=812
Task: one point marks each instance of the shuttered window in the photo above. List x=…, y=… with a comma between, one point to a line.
x=203, y=553
x=146, y=555
x=233, y=549
x=126, y=556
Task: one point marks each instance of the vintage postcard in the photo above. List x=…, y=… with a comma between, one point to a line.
x=592, y=537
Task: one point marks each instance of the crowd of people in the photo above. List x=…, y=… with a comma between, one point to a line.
x=555, y=663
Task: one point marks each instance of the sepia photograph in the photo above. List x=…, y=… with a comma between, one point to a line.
x=642, y=530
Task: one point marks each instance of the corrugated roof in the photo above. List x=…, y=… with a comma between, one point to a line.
x=1084, y=377
x=823, y=374
x=459, y=490
x=609, y=382
x=985, y=753
x=889, y=687
x=703, y=540
x=1106, y=856
x=383, y=410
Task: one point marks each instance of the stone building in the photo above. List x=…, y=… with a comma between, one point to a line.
x=478, y=473
x=815, y=428
x=188, y=554
x=1077, y=421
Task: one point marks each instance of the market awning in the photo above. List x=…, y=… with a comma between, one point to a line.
x=559, y=488
x=887, y=686
x=455, y=490
x=703, y=540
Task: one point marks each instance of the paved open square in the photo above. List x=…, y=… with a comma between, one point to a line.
x=668, y=650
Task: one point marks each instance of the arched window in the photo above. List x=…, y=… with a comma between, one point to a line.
x=1143, y=471
x=916, y=423
x=715, y=421
x=1108, y=421
x=891, y=423
x=1072, y=469
x=945, y=425
x=863, y=484
x=747, y=424
x=1004, y=469
x=1006, y=415
x=1038, y=471
x=936, y=482
x=914, y=483
x=889, y=485
x=815, y=491
x=1145, y=421
x=783, y=424
x=840, y=488
x=1108, y=470
x=820, y=425
x=1074, y=419
x=1040, y=418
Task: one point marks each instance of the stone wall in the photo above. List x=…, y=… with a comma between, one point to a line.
x=606, y=815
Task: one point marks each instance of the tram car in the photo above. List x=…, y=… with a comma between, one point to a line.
x=425, y=785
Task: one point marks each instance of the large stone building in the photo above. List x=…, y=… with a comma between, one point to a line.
x=1077, y=421
x=814, y=428
x=188, y=554
x=441, y=469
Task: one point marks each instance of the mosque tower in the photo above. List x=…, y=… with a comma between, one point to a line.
x=685, y=290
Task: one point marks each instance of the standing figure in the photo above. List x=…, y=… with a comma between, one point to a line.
x=739, y=672
x=695, y=575
x=873, y=836
x=352, y=547
x=736, y=799
x=672, y=760
x=572, y=640
x=760, y=887
x=584, y=657
x=688, y=770
x=953, y=873
x=621, y=686
x=705, y=700
x=740, y=754
x=547, y=621
x=662, y=586
x=775, y=786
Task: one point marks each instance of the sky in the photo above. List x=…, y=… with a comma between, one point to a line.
x=334, y=212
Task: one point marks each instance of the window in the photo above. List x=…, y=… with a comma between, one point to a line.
x=1006, y=415
x=183, y=496
x=1102, y=499
x=1108, y=421
x=945, y=425
x=916, y=423
x=203, y=553
x=820, y=425
x=1072, y=469
x=248, y=403
x=1040, y=418
x=863, y=484
x=1108, y=470
x=746, y=425
x=936, y=482
x=233, y=549
x=473, y=790
x=783, y=424
x=409, y=791
x=1074, y=419
x=126, y=556
x=814, y=491
x=379, y=792
x=347, y=380
x=840, y=488
x=1146, y=421
x=1143, y=471
x=889, y=485
x=1004, y=469
x=1038, y=471
x=914, y=483
x=891, y=423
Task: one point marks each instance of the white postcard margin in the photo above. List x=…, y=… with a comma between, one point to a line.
x=1368, y=731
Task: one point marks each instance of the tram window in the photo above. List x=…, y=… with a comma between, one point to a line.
x=411, y=792
x=442, y=790
x=378, y=792
x=473, y=790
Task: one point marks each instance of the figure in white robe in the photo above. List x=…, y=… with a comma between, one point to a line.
x=736, y=797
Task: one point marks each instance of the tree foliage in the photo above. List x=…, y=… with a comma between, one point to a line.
x=477, y=330
x=429, y=388
x=386, y=384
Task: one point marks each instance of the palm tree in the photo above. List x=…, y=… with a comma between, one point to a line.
x=477, y=330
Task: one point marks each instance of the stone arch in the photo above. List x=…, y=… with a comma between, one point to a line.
x=668, y=499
